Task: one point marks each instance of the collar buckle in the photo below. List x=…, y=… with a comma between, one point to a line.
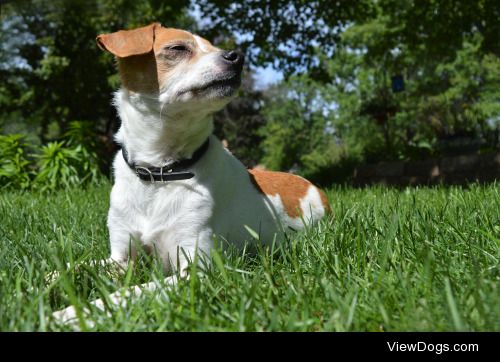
x=174, y=171
x=147, y=170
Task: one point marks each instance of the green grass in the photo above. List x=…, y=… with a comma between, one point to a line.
x=388, y=260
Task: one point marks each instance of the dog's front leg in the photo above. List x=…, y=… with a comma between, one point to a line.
x=186, y=254
x=119, y=298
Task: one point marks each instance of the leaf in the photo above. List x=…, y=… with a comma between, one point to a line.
x=219, y=264
x=252, y=233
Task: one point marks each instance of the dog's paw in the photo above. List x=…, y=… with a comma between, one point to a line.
x=65, y=315
x=69, y=317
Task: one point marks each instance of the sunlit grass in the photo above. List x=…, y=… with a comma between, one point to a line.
x=387, y=260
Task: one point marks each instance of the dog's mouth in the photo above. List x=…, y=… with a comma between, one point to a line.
x=219, y=87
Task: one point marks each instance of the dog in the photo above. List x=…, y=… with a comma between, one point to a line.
x=176, y=187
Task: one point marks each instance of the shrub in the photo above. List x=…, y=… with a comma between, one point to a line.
x=14, y=166
x=62, y=165
x=81, y=133
x=68, y=162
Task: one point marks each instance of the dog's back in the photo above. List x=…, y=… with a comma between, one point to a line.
x=267, y=202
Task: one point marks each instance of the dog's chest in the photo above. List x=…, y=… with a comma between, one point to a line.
x=163, y=212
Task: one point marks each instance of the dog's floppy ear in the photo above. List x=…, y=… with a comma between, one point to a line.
x=125, y=43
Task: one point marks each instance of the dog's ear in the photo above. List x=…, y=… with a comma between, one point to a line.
x=126, y=43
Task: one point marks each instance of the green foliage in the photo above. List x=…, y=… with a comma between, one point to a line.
x=81, y=133
x=289, y=33
x=386, y=260
x=452, y=92
x=71, y=161
x=283, y=33
x=14, y=170
x=447, y=95
x=472, y=96
x=296, y=135
x=299, y=135
x=60, y=165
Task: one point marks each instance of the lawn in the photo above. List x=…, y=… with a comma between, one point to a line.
x=416, y=259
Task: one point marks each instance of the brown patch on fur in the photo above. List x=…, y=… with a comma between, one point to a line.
x=291, y=188
x=139, y=73
x=136, y=57
x=164, y=36
x=126, y=43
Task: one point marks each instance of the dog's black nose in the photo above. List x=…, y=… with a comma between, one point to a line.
x=234, y=57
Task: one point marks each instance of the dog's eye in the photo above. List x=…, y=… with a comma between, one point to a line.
x=178, y=48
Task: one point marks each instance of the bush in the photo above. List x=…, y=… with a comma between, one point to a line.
x=61, y=165
x=68, y=162
x=14, y=166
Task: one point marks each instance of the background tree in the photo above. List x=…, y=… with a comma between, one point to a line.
x=353, y=113
x=298, y=135
x=284, y=33
x=447, y=94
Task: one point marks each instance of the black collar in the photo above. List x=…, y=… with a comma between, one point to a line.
x=176, y=170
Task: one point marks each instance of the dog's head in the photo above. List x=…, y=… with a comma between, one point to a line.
x=174, y=65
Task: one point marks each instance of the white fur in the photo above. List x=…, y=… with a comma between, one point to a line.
x=200, y=44
x=219, y=201
x=311, y=205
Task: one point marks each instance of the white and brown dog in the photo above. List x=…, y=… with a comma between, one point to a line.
x=176, y=186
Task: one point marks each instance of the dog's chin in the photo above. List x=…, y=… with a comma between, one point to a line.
x=214, y=90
